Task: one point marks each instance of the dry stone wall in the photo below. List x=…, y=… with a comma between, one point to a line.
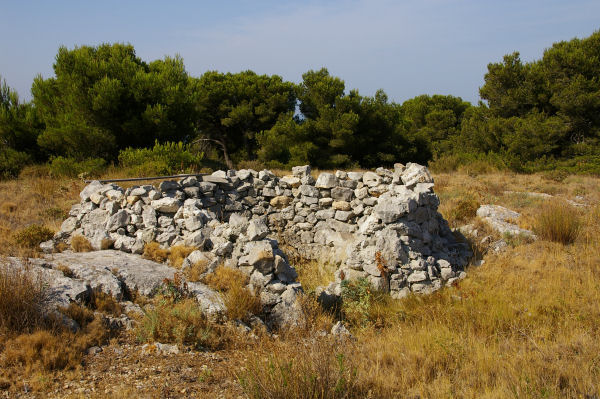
x=381, y=225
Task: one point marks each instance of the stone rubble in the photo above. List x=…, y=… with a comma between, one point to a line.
x=381, y=225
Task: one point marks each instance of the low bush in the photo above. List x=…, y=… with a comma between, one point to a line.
x=181, y=322
x=32, y=235
x=167, y=158
x=12, y=162
x=71, y=167
x=463, y=210
x=558, y=221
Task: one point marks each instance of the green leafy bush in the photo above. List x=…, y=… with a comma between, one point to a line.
x=167, y=158
x=11, y=162
x=31, y=236
x=71, y=167
x=357, y=299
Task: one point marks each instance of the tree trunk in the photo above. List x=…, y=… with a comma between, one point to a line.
x=221, y=142
x=226, y=154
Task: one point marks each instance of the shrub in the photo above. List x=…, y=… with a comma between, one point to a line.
x=167, y=158
x=23, y=297
x=179, y=322
x=80, y=244
x=12, y=162
x=32, y=235
x=558, y=222
x=71, y=167
x=463, y=210
x=357, y=298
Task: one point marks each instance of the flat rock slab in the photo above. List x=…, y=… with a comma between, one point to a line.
x=502, y=220
x=135, y=272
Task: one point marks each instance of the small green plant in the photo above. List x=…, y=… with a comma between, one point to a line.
x=32, y=235
x=357, y=298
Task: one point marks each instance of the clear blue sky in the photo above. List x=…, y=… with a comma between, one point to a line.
x=406, y=47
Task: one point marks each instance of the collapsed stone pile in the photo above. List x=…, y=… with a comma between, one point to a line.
x=382, y=225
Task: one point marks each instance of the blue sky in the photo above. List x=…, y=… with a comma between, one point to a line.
x=406, y=47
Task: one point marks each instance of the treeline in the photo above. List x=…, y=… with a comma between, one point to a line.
x=105, y=105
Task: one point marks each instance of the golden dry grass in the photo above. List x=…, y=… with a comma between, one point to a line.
x=154, y=252
x=240, y=301
x=195, y=271
x=178, y=253
x=558, y=221
x=80, y=244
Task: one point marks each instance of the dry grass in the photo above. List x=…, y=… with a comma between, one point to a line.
x=194, y=272
x=66, y=270
x=154, y=252
x=558, y=222
x=47, y=350
x=523, y=325
x=178, y=253
x=81, y=244
x=318, y=368
x=314, y=273
x=240, y=301
x=23, y=297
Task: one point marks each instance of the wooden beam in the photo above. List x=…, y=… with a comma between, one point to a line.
x=147, y=178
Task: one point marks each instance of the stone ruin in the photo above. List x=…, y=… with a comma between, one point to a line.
x=382, y=226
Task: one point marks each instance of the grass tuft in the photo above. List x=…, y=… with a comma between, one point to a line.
x=239, y=299
x=23, y=297
x=558, y=222
x=178, y=253
x=154, y=252
x=81, y=244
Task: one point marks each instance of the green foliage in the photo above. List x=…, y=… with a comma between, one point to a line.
x=234, y=108
x=336, y=129
x=12, y=162
x=71, y=167
x=357, y=300
x=105, y=98
x=181, y=322
x=167, y=158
